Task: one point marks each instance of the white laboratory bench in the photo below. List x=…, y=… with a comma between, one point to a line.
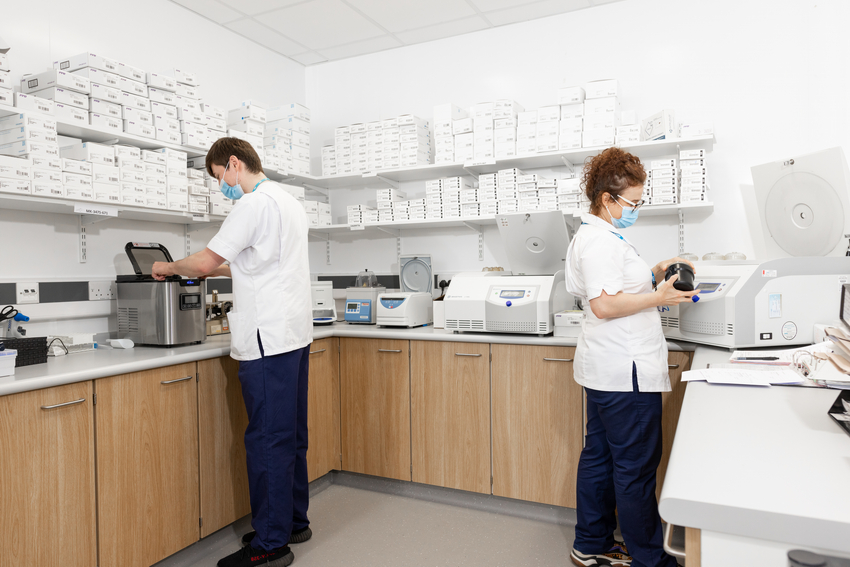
x=759, y=471
x=101, y=363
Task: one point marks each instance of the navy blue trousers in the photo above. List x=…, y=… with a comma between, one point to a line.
x=275, y=392
x=617, y=470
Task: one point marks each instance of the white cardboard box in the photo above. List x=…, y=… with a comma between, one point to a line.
x=106, y=93
x=163, y=82
x=105, y=107
x=601, y=89
x=66, y=96
x=161, y=95
x=86, y=60
x=34, y=103
x=90, y=151
x=71, y=114
x=105, y=122
x=660, y=126
x=55, y=78
x=100, y=77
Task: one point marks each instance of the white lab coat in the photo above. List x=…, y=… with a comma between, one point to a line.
x=600, y=258
x=265, y=240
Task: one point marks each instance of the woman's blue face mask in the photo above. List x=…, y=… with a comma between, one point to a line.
x=628, y=218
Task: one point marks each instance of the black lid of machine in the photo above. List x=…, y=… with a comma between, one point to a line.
x=142, y=256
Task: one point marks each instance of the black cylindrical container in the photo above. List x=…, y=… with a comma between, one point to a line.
x=686, y=276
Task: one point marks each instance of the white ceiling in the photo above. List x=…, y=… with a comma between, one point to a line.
x=316, y=31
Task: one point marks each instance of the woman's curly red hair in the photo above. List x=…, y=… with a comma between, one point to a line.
x=611, y=171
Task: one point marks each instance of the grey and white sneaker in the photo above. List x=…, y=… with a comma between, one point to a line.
x=617, y=556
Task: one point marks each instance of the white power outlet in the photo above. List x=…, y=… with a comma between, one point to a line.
x=26, y=292
x=102, y=290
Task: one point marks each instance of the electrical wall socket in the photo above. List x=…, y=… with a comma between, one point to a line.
x=26, y=292
x=102, y=290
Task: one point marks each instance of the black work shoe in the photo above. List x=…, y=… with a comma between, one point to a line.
x=297, y=536
x=249, y=556
x=617, y=556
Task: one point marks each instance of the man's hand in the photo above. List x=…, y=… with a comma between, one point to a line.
x=161, y=270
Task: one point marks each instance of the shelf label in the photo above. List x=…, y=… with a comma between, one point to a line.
x=370, y=174
x=200, y=217
x=479, y=163
x=357, y=227
x=95, y=210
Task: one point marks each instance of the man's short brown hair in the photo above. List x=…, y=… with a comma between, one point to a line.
x=223, y=148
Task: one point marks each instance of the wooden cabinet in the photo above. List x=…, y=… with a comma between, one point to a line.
x=671, y=407
x=450, y=414
x=375, y=407
x=537, y=424
x=222, y=420
x=147, y=465
x=323, y=453
x=47, y=480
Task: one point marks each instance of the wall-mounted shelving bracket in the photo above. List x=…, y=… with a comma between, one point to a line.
x=316, y=189
x=477, y=228
x=391, y=182
x=681, y=232
x=83, y=246
x=88, y=220
x=568, y=164
x=326, y=238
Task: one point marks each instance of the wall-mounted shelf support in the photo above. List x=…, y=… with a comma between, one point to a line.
x=391, y=182
x=326, y=238
x=88, y=220
x=681, y=232
x=316, y=189
x=568, y=164
x=82, y=232
x=477, y=228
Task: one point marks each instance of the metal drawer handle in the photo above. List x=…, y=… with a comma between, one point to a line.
x=465, y=354
x=318, y=351
x=178, y=380
x=81, y=400
x=668, y=543
x=672, y=366
x=558, y=359
x=388, y=350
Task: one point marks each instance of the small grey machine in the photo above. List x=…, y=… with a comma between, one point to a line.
x=159, y=313
x=361, y=299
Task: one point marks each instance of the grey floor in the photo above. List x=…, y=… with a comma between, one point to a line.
x=353, y=526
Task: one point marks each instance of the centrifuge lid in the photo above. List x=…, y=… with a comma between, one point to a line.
x=415, y=273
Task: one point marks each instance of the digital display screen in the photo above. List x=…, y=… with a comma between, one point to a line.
x=509, y=293
x=708, y=287
x=351, y=307
x=191, y=299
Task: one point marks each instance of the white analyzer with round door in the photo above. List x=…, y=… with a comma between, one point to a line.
x=414, y=305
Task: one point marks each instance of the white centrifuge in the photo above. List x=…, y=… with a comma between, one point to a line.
x=414, y=305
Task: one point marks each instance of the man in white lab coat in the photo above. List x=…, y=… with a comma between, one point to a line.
x=265, y=240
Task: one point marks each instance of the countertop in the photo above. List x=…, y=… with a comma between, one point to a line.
x=101, y=363
x=765, y=463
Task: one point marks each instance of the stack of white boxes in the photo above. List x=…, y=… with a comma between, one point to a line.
x=131, y=171
x=537, y=193
x=507, y=191
x=548, y=127
x=526, y=132
x=414, y=141
x=391, y=202
x=288, y=131
x=361, y=214
x=444, y=118
x=110, y=76
x=663, y=181
x=571, y=100
x=165, y=116
x=199, y=193
x=219, y=204
x=505, y=129
x=106, y=179
x=155, y=185
x=31, y=136
x=570, y=195
x=6, y=95
x=488, y=195
x=176, y=180
x=358, y=146
x=693, y=185
x=391, y=144
x=464, y=148
x=325, y=218
x=102, y=108
x=483, y=134
x=77, y=179
x=434, y=199
x=16, y=174
x=216, y=122
x=312, y=210
x=194, y=129
x=452, y=189
x=248, y=122
x=628, y=132
x=375, y=145
x=601, y=113
x=329, y=156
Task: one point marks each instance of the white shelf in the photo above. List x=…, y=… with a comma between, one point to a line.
x=64, y=206
x=474, y=222
x=644, y=150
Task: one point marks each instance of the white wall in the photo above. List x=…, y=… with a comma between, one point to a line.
x=155, y=35
x=770, y=75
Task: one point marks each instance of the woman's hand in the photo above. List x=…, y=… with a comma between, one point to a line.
x=667, y=295
x=660, y=269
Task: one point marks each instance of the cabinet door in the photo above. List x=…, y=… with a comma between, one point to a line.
x=147, y=465
x=47, y=488
x=323, y=409
x=537, y=424
x=671, y=407
x=222, y=420
x=450, y=414
x=375, y=409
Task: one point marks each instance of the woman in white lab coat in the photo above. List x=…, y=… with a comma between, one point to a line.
x=621, y=360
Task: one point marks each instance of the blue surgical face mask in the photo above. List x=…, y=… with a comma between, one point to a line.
x=626, y=219
x=234, y=192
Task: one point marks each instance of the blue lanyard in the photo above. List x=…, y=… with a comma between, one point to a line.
x=260, y=181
